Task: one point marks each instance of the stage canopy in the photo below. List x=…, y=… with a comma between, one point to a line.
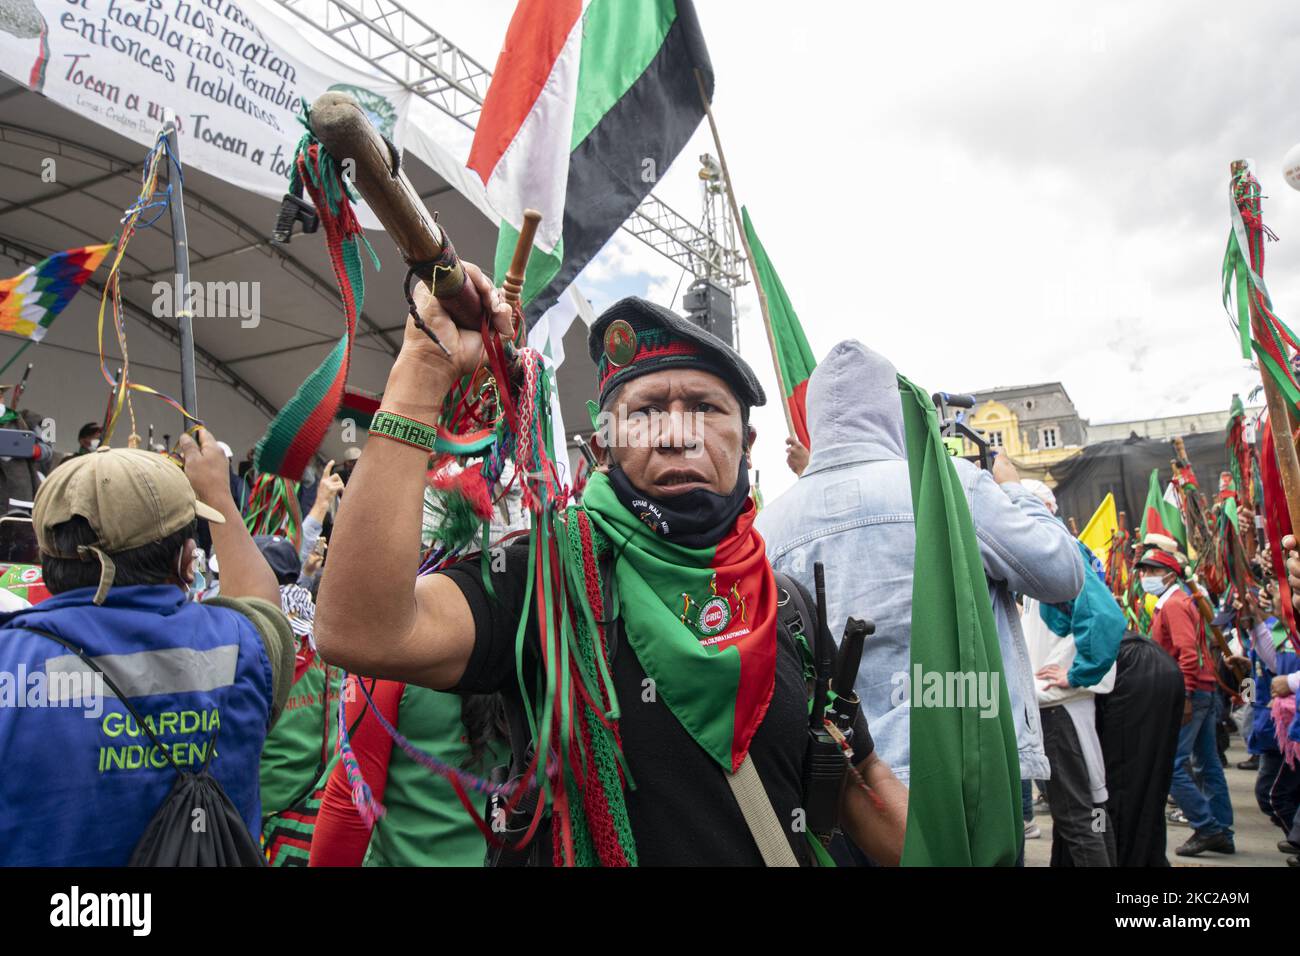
x=80, y=104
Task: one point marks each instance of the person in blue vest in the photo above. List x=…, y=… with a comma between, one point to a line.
x=116, y=530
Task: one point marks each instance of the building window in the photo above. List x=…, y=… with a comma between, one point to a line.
x=995, y=439
x=1049, y=438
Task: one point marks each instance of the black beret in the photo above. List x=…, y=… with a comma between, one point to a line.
x=634, y=337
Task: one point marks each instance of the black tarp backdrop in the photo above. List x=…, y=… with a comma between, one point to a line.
x=1124, y=467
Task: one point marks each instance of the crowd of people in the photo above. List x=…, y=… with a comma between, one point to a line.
x=279, y=642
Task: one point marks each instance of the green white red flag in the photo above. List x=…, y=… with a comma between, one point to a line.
x=590, y=102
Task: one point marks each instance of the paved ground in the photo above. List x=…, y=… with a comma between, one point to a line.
x=1256, y=838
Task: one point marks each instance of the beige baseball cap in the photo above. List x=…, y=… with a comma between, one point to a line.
x=130, y=497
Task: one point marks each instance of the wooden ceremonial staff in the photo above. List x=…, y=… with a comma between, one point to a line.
x=181, y=251
x=512, y=286
x=1118, y=553
x=1194, y=516
x=21, y=387
x=1207, y=615
x=1279, y=418
x=749, y=255
x=347, y=134
x=1197, y=523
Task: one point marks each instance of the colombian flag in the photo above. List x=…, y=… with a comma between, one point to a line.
x=1161, y=515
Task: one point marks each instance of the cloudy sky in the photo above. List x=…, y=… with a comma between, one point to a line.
x=991, y=194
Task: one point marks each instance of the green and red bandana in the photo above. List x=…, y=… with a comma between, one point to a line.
x=702, y=621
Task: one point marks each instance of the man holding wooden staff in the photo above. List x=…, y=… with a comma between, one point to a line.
x=670, y=499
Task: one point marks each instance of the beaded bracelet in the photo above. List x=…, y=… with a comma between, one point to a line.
x=406, y=430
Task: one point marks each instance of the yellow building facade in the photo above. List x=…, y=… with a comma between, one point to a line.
x=1001, y=427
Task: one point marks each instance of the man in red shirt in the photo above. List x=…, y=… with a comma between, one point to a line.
x=1177, y=627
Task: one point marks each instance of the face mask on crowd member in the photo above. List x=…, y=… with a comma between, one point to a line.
x=1154, y=584
x=88, y=436
x=1158, y=570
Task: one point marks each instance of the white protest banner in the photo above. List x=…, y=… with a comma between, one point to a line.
x=233, y=73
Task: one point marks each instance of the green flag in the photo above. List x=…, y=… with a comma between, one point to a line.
x=1161, y=515
x=792, y=351
x=964, y=797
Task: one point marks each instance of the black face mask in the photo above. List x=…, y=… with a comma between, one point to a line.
x=696, y=519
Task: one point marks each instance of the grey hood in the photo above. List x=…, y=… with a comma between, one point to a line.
x=854, y=410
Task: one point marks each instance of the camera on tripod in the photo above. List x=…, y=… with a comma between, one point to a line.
x=953, y=428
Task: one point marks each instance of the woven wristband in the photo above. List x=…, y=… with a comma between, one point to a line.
x=406, y=430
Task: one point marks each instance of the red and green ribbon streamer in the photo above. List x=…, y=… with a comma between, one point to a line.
x=273, y=508
x=1258, y=327
x=297, y=431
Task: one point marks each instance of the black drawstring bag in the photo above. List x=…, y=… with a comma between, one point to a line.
x=196, y=824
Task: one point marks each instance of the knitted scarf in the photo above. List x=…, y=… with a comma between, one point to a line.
x=297, y=431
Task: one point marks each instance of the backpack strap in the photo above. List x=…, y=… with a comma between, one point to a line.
x=795, y=617
x=760, y=817
x=126, y=702
x=794, y=612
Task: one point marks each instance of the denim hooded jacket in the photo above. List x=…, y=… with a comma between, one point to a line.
x=852, y=510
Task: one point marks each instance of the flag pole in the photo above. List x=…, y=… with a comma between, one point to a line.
x=749, y=256
x=13, y=358
x=1279, y=420
x=181, y=251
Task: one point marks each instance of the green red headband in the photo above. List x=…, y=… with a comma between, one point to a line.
x=634, y=337
x=1156, y=557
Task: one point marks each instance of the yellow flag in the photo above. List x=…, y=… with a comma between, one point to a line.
x=1101, y=528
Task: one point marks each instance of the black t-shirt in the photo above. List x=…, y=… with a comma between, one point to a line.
x=682, y=810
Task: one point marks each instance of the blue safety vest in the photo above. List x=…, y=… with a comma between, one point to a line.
x=79, y=780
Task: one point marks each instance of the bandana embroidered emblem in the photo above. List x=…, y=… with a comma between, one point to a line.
x=714, y=616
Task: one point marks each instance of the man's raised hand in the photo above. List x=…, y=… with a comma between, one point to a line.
x=1003, y=471
x=206, y=467
x=464, y=346
x=796, y=455
x=330, y=484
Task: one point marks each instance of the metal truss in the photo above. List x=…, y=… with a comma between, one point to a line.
x=412, y=53
x=668, y=233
